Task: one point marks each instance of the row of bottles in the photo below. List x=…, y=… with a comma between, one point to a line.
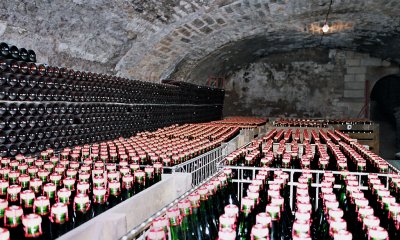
x=19, y=54
x=281, y=148
x=342, y=213
x=197, y=216
x=21, y=80
x=265, y=212
x=65, y=194
x=30, y=128
x=87, y=180
x=244, y=122
x=319, y=122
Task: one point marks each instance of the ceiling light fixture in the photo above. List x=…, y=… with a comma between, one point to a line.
x=325, y=28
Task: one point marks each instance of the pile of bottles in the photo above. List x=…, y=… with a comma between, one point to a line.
x=341, y=211
x=243, y=122
x=44, y=106
x=49, y=196
x=324, y=150
x=17, y=54
x=44, y=198
x=301, y=122
x=27, y=128
x=311, y=123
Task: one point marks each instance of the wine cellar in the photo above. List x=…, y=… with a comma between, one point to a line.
x=200, y=120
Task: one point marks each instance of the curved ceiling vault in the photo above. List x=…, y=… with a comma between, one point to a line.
x=184, y=39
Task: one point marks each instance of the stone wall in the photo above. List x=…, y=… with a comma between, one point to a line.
x=305, y=83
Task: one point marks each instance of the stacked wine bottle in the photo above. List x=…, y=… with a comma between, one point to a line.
x=45, y=106
x=334, y=151
x=291, y=191
x=319, y=122
x=45, y=197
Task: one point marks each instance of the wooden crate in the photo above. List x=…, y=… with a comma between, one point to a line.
x=366, y=134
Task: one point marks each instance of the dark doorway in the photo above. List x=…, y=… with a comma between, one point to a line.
x=384, y=107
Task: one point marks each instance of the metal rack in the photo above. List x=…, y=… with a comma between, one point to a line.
x=317, y=175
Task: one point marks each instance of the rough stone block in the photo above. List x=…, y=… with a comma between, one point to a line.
x=360, y=77
x=198, y=23
x=353, y=93
x=371, y=62
x=206, y=30
x=353, y=62
x=208, y=20
x=354, y=86
x=220, y=21
x=349, y=77
x=356, y=70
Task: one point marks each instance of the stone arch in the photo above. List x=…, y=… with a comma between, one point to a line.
x=375, y=74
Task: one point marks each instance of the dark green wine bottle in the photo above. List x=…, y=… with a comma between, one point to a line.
x=259, y=232
x=230, y=196
x=245, y=219
x=32, y=226
x=275, y=213
x=187, y=225
x=175, y=227
x=195, y=227
x=207, y=224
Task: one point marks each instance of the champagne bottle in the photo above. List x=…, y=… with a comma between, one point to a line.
x=259, y=232
x=13, y=221
x=81, y=209
x=139, y=181
x=13, y=193
x=343, y=235
x=212, y=204
x=162, y=223
x=3, y=207
x=275, y=213
x=114, y=192
x=41, y=207
x=226, y=234
x=127, y=186
x=149, y=172
x=27, y=199
x=156, y=234
x=188, y=227
x=230, y=196
x=32, y=226
x=245, y=219
x=227, y=221
x=176, y=231
x=59, y=219
x=207, y=224
x=196, y=227
x=99, y=200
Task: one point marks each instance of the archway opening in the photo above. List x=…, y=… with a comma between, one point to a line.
x=385, y=110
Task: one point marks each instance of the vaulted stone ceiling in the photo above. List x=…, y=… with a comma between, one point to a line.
x=156, y=39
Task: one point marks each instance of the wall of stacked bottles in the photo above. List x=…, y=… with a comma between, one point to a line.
x=45, y=106
x=291, y=183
